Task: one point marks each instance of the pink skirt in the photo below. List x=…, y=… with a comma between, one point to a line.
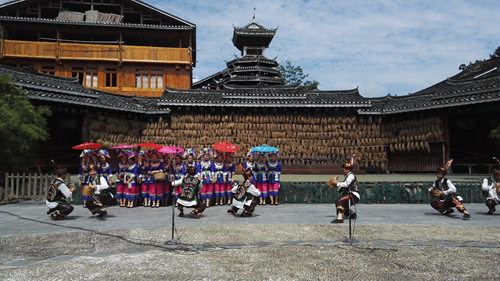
x=274, y=188
x=262, y=187
x=155, y=191
x=220, y=189
x=206, y=191
x=145, y=190
x=120, y=190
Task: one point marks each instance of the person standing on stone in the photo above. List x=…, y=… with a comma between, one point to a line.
x=145, y=178
x=220, y=178
x=178, y=172
x=261, y=180
x=190, y=193
x=348, y=190
x=57, y=194
x=206, y=174
x=273, y=185
x=492, y=186
x=121, y=169
x=230, y=171
x=101, y=196
x=444, y=189
x=155, y=188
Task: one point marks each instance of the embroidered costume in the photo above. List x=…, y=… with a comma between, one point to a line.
x=448, y=195
x=57, y=193
x=348, y=190
x=261, y=180
x=245, y=195
x=273, y=185
x=121, y=169
x=206, y=173
x=220, y=178
x=190, y=194
x=101, y=195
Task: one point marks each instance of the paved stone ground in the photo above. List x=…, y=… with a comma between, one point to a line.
x=285, y=242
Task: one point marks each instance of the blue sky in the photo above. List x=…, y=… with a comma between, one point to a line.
x=382, y=47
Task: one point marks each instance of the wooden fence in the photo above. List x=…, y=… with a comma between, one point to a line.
x=27, y=186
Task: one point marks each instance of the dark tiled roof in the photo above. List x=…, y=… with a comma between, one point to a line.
x=46, y=87
x=263, y=96
x=252, y=59
x=84, y=23
x=478, y=83
x=254, y=28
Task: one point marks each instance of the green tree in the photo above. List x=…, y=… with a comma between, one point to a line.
x=495, y=134
x=22, y=126
x=294, y=76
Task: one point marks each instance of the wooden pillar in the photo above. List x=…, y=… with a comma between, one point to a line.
x=2, y=46
x=120, y=50
x=446, y=144
x=58, y=36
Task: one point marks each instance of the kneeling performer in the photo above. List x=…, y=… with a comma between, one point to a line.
x=245, y=194
x=492, y=186
x=190, y=193
x=348, y=189
x=444, y=189
x=57, y=193
x=101, y=195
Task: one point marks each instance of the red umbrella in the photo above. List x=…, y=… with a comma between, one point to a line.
x=226, y=147
x=124, y=146
x=87, y=145
x=171, y=149
x=150, y=145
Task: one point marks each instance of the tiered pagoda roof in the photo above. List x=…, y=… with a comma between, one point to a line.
x=253, y=67
x=478, y=84
x=252, y=34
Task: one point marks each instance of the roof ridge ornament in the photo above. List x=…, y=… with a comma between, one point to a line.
x=253, y=19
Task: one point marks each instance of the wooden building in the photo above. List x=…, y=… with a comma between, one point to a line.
x=118, y=46
x=314, y=130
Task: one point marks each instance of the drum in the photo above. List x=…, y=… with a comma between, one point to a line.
x=86, y=191
x=159, y=177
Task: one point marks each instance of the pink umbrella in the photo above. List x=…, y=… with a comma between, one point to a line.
x=124, y=146
x=171, y=149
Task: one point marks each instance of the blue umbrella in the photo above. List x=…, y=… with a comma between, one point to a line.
x=264, y=149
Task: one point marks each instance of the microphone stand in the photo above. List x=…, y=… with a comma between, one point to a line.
x=350, y=240
x=173, y=241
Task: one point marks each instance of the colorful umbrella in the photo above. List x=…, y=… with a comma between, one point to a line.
x=171, y=149
x=124, y=146
x=150, y=144
x=226, y=147
x=87, y=145
x=264, y=148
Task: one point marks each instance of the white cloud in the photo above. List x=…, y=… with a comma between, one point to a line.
x=380, y=46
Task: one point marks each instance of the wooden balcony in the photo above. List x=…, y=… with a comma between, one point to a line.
x=94, y=52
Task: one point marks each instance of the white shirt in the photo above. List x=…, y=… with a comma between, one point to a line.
x=492, y=192
x=347, y=181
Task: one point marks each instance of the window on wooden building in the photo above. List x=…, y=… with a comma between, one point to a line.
x=111, y=74
x=48, y=69
x=86, y=75
x=145, y=78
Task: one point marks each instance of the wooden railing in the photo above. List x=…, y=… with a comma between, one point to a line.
x=27, y=186
x=98, y=52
